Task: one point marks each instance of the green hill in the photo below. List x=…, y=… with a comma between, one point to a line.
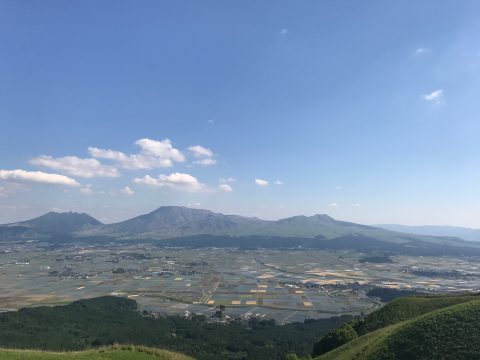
x=442, y=327
x=111, y=353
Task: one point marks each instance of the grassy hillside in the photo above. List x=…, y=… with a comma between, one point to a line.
x=406, y=308
x=444, y=327
x=111, y=353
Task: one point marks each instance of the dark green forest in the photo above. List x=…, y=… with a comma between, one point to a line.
x=110, y=320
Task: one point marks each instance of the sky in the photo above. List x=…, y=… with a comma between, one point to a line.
x=368, y=111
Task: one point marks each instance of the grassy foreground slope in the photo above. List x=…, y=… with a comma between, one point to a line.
x=407, y=308
x=451, y=332
x=113, y=353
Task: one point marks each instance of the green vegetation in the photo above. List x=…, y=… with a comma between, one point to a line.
x=406, y=308
x=110, y=320
x=335, y=339
x=420, y=327
x=389, y=294
x=110, y=353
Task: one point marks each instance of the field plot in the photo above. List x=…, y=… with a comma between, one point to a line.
x=284, y=285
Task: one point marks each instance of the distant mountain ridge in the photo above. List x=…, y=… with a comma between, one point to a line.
x=436, y=230
x=187, y=227
x=175, y=221
x=52, y=223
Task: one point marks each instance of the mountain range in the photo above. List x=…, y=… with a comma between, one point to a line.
x=436, y=230
x=190, y=227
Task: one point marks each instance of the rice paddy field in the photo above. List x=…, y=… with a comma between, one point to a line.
x=283, y=285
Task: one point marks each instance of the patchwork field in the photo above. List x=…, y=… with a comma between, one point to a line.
x=283, y=285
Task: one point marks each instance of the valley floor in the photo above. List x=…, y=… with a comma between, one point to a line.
x=284, y=285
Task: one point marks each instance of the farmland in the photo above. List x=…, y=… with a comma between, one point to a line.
x=284, y=285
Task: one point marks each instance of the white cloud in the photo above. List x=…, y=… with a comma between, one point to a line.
x=161, y=149
x=261, y=182
x=421, y=51
x=87, y=190
x=175, y=181
x=206, y=162
x=153, y=154
x=334, y=204
x=435, y=96
x=37, y=176
x=72, y=165
x=127, y=191
x=227, y=180
x=204, y=155
x=225, y=188
x=278, y=182
x=284, y=31
x=356, y=205
x=210, y=121
x=200, y=151
x=339, y=187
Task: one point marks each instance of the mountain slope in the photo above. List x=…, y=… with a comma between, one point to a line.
x=442, y=328
x=52, y=223
x=173, y=221
x=113, y=353
x=432, y=230
x=188, y=227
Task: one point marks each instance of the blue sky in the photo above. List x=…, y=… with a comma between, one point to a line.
x=367, y=111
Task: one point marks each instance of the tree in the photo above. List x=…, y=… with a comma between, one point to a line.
x=334, y=339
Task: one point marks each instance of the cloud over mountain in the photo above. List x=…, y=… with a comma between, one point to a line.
x=175, y=181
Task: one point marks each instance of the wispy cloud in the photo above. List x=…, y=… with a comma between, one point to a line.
x=204, y=155
x=87, y=189
x=435, y=96
x=278, y=182
x=206, y=162
x=284, y=31
x=261, y=182
x=227, y=180
x=8, y=188
x=175, y=181
x=37, y=177
x=334, y=204
x=200, y=151
x=421, y=51
x=127, y=191
x=72, y=165
x=225, y=188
